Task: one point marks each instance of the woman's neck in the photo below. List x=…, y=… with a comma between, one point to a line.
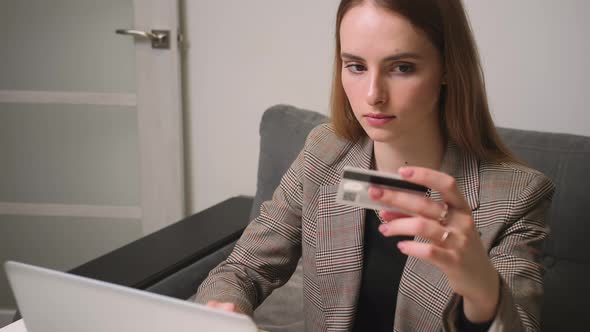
x=426, y=150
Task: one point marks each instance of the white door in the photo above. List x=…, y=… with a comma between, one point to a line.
x=90, y=129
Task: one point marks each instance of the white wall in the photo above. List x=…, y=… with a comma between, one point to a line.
x=247, y=55
x=535, y=55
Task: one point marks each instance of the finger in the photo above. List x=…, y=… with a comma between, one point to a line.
x=441, y=182
x=212, y=304
x=414, y=226
x=440, y=257
x=410, y=203
x=228, y=307
x=390, y=215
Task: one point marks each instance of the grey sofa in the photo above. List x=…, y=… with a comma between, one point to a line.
x=283, y=129
x=564, y=158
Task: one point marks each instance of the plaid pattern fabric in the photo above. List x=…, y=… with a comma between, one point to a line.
x=508, y=203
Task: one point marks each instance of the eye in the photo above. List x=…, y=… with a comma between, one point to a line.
x=355, y=68
x=404, y=68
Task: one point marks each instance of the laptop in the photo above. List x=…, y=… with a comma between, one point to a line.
x=52, y=301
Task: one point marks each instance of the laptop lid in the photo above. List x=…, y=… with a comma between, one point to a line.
x=52, y=301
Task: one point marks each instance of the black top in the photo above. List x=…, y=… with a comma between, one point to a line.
x=383, y=265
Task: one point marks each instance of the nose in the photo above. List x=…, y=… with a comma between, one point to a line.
x=376, y=92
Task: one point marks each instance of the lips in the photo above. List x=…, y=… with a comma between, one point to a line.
x=379, y=119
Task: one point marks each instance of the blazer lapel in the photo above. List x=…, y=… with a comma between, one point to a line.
x=424, y=291
x=340, y=237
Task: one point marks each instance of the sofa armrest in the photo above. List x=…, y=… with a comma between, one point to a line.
x=184, y=284
x=152, y=261
x=144, y=262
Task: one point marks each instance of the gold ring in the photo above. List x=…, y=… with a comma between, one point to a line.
x=445, y=235
x=442, y=219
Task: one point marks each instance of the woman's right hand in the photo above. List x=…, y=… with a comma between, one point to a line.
x=225, y=306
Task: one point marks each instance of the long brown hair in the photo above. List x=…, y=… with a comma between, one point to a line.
x=464, y=112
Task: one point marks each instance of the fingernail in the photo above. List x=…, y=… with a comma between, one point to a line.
x=375, y=192
x=405, y=172
x=383, y=228
x=402, y=247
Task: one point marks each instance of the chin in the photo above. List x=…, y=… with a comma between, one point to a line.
x=379, y=135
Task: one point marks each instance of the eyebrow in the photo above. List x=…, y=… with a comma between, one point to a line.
x=395, y=57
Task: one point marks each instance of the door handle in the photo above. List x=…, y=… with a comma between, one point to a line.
x=159, y=38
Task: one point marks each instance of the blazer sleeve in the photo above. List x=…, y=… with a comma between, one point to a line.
x=516, y=255
x=266, y=254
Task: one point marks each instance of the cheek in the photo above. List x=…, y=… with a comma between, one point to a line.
x=416, y=93
x=353, y=89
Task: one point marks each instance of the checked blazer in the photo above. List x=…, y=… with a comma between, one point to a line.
x=508, y=203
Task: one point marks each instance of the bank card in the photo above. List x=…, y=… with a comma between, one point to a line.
x=354, y=188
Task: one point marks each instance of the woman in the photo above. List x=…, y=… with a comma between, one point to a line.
x=408, y=97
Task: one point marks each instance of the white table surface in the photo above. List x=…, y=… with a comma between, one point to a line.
x=18, y=326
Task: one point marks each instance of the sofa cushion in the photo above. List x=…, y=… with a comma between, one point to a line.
x=283, y=130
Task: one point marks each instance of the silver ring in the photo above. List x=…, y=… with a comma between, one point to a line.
x=442, y=219
x=445, y=235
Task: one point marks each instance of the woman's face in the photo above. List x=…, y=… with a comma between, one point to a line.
x=391, y=73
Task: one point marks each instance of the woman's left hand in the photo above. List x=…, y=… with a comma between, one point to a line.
x=454, y=244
